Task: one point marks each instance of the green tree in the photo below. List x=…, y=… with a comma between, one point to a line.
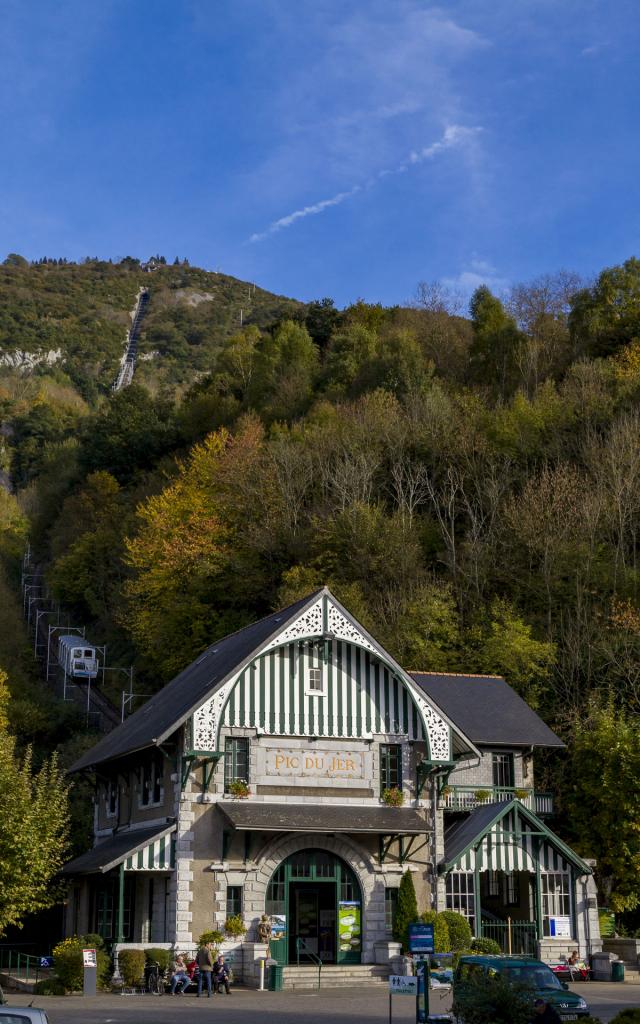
x=496, y=340
x=607, y=316
x=407, y=910
x=128, y=434
x=508, y=648
x=601, y=796
x=33, y=828
x=286, y=367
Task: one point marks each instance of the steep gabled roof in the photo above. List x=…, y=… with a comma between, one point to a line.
x=469, y=833
x=487, y=710
x=168, y=709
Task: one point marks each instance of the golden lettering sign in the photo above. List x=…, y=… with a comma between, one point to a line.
x=319, y=764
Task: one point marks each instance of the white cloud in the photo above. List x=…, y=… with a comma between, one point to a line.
x=306, y=211
x=476, y=273
x=453, y=135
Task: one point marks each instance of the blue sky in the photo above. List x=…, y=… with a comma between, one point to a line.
x=348, y=148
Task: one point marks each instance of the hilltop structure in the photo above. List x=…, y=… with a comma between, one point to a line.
x=295, y=769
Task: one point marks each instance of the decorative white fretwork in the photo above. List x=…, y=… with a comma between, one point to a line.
x=343, y=629
x=307, y=625
x=206, y=720
x=437, y=729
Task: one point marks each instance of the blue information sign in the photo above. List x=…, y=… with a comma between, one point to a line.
x=421, y=938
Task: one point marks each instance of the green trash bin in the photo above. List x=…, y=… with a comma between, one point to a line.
x=276, y=979
x=617, y=970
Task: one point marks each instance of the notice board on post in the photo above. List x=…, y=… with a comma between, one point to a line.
x=421, y=938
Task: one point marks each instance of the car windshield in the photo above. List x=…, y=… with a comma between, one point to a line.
x=535, y=975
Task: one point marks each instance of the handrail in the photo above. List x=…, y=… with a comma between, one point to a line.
x=456, y=796
x=22, y=965
x=301, y=946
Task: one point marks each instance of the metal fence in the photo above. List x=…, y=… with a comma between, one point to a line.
x=512, y=936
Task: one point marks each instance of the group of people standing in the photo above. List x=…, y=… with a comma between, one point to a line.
x=214, y=974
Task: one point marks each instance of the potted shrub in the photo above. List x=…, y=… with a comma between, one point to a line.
x=393, y=797
x=234, y=926
x=522, y=794
x=215, y=937
x=239, y=789
x=482, y=795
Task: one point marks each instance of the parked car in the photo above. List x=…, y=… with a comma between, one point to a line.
x=22, y=1015
x=528, y=971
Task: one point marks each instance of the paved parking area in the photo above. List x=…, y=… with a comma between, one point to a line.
x=335, y=1006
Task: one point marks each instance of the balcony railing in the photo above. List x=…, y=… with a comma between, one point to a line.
x=466, y=798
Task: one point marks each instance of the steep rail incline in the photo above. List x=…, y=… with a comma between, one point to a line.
x=128, y=363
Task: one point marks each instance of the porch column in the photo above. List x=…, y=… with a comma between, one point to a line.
x=478, y=907
x=538, y=892
x=120, y=913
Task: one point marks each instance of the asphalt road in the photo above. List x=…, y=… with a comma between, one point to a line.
x=335, y=1006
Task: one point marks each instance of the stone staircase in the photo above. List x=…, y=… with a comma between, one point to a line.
x=333, y=976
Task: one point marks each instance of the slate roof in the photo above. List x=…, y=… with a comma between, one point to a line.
x=461, y=834
x=111, y=852
x=174, y=703
x=487, y=710
x=324, y=818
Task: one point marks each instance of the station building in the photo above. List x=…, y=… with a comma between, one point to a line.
x=294, y=769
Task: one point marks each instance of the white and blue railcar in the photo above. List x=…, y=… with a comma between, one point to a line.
x=77, y=657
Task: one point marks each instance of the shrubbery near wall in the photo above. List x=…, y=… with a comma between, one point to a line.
x=67, y=962
x=131, y=963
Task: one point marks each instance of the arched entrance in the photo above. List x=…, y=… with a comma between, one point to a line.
x=315, y=896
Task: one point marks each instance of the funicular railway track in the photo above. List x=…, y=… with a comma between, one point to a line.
x=130, y=358
x=40, y=612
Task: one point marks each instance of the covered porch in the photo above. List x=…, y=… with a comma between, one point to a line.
x=120, y=889
x=515, y=881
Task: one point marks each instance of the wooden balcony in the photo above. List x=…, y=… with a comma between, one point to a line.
x=467, y=798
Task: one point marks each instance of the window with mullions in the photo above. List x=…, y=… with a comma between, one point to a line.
x=390, y=908
x=493, y=883
x=390, y=766
x=314, y=681
x=556, y=898
x=236, y=760
x=511, y=889
x=234, y=900
x=152, y=782
x=461, y=895
x=111, y=798
x=503, y=770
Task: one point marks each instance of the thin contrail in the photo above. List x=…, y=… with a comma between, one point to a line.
x=454, y=135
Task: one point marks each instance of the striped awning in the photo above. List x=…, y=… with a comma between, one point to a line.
x=139, y=849
x=506, y=837
x=157, y=856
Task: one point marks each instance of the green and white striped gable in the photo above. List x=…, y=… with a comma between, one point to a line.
x=364, y=692
x=506, y=837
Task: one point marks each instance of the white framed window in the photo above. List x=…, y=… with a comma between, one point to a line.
x=314, y=675
x=556, y=896
x=461, y=895
x=151, y=791
x=111, y=793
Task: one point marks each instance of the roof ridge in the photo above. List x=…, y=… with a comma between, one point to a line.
x=249, y=625
x=464, y=675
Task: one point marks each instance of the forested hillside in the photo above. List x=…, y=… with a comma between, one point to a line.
x=469, y=486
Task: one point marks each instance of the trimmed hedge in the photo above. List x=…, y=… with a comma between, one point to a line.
x=459, y=930
x=489, y=946
x=160, y=956
x=441, y=939
x=131, y=963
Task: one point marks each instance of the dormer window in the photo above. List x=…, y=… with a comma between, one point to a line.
x=111, y=798
x=151, y=782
